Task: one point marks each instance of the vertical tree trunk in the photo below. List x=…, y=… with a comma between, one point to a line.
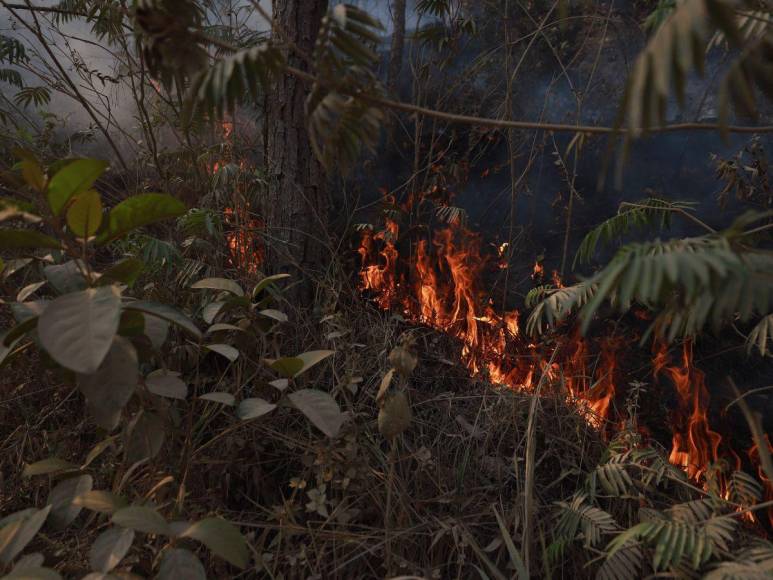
x=398, y=42
x=295, y=206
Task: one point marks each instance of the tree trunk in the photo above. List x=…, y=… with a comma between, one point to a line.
x=295, y=206
x=398, y=42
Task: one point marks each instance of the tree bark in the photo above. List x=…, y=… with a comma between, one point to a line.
x=295, y=206
x=398, y=43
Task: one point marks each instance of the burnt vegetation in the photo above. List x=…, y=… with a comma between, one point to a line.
x=432, y=289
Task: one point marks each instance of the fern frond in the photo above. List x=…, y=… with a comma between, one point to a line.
x=744, y=489
x=235, y=78
x=341, y=122
x=614, y=478
x=11, y=76
x=677, y=47
x=557, y=304
x=452, y=215
x=624, y=564
x=37, y=96
x=580, y=516
x=760, y=335
x=651, y=212
x=12, y=51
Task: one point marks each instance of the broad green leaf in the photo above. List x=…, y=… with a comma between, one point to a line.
x=73, y=178
x=275, y=314
x=11, y=239
x=33, y=573
x=33, y=173
x=33, y=560
x=100, y=501
x=98, y=449
x=77, y=329
x=15, y=536
x=178, y=563
x=46, y=466
x=219, y=284
x=166, y=313
x=29, y=290
x=23, y=311
x=222, y=538
x=225, y=350
x=311, y=358
x=220, y=397
x=263, y=284
x=288, y=366
x=84, y=216
x=138, y=211
x=156, y=329
x=67, y=277
x=253, y=408
x=293, y=366
x=320, y=408
x=109, y=548
x=132, y=323
x=144, y=437
x=280, y=384
x=62, y=497
x=222, y=326
x=210, y=311
x=141, y=519
x=109, y=389
x=126, y=272
x=166, y=384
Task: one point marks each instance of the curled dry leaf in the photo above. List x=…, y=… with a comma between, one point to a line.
x=395, y=415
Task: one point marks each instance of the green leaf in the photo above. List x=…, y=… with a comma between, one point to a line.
x=222, y=326
x=311, y=358
x=141, y=519
x=46, y=466
x=109, y=389
x=144, y=437
x=109, y=548
x=100, y=501
x=67, y=277
x=225, y=350
x=320, y=408
x=166, y=313
x=138, y=211
x=84, y=216
x=288, y=366
x=178, y=563
x=166, y=384
x=33, y=173
x=73, y=178
x=253, y=408
x=33, y=573
x=126, y=272
x=210, y=311
x=263, y=284
x=77, y=329
x=222, y=538
x=11, y=239
x=62, y=497
x=219, y=284
x=275, y=314
x=15, y=535
x=220, y=397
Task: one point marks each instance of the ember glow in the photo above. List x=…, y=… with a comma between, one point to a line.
x=438, y=281
x=242, y=227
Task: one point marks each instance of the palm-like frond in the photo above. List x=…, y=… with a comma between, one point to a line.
x=651, y=212
x=556, y=304
x=341, y=120
x=580, y=516
x=760, y=335
x=624, y=564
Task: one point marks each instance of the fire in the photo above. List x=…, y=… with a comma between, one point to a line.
x=695, y=447
x=437, y=281
x=245, y=247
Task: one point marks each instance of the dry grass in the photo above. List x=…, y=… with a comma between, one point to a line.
x=462, y=460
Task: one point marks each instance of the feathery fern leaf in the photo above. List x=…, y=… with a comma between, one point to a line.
x=11, y=76
x=651, y=212
x=624, y=564
x=557, y=304
x=760, y=335
x=581, y=516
